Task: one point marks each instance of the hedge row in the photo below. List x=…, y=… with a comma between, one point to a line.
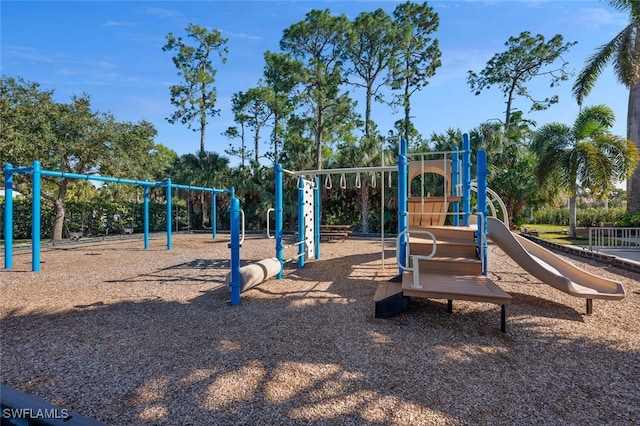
x=94, y=218
x=588, y=217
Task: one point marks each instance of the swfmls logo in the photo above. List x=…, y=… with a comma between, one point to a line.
x=37, y=413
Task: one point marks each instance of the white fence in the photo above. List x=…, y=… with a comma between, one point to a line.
x=613, y=237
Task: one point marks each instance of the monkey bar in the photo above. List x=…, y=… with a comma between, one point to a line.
x=37, y=173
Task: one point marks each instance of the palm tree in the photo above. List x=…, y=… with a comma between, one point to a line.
x=365, y=154
x=624, y=52
x=204, y=168
x=585, y=156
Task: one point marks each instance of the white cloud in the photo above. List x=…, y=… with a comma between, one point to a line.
x=244, y=36
x=25, y=53
x=118, y=24
x=162, y=13
x=596, y=17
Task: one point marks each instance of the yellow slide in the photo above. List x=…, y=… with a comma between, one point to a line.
x=551, y=269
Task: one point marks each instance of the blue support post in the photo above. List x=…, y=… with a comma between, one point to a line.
x=482, y=204
x=145, y=216
x=316, y=212
x=169, y=218
x=466, y=179
x=35, y=215
x=279, y=213
x=214, y=218
x=8, y=215
x=234, y=245
x=301, y=230
x=402, y=200
x=455, y=173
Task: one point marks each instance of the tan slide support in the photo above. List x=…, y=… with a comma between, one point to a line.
x=551, y=269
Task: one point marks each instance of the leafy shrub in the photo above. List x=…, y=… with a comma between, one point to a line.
x=584, y=217
x=628, y=220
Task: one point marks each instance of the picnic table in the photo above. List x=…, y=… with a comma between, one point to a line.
x=330, y=232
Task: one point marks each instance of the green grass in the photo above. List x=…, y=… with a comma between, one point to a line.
x=18, y=242
x=554, y=234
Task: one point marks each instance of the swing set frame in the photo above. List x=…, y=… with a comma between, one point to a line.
x=37, y=173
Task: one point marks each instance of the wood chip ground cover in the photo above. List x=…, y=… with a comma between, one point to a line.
x=131, y=336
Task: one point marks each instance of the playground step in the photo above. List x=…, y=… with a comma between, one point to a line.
x=452, y=265
x=389, y=300
x=447, y=233
x=444, y=248
x=475, y=288
x=457, y=287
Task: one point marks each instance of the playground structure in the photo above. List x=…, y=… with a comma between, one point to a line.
x=37, y=173
x=450, y=262
x=436, y=259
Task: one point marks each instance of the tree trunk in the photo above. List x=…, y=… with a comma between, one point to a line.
x=407, y=110
x=58, y=225
x=365, y=207
x=319, y=139
x=59, y=208
x=202, y=216
x=572, y=216
x=633, y=133
x=367, y=114
x=507, y=113
x=203, y=117
x=276, y=122
x=242, y=140
x=256, y=144
x=202, y=130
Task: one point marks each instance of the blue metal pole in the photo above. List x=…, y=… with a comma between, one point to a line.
x=466, y=179
x=316, y=212
x=455, y=171
x=234, y=245
x=169, y=218
x=279, y=213
x=402, y=200
x=214, y=219
x=8, y=216
x=482, y=203
x=35, y=218
x=301, y=246
x=145, y=223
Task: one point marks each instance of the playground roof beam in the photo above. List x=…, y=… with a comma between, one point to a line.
x=343, y=170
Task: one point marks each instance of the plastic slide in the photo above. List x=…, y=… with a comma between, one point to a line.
x=551, y=269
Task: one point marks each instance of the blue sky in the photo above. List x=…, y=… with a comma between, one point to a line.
x=113, y=51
